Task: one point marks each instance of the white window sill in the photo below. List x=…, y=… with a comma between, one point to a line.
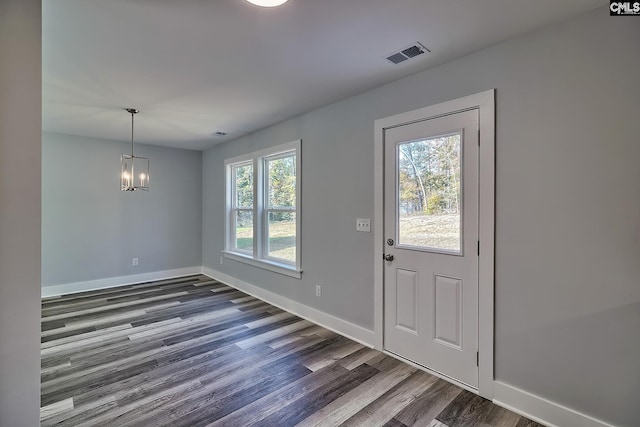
x=276, y=267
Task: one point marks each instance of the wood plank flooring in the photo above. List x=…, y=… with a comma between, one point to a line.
x=195, y=352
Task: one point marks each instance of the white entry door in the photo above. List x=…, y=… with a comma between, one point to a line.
x=431, y=243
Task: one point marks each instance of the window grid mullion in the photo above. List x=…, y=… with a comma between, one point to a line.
x=281, y=209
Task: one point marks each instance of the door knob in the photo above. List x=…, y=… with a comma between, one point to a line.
x=388, y=257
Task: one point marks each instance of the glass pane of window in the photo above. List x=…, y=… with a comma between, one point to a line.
x=429, y=190
x=281, y=234
x=244, y=230
x=282, y=182
x=243, y=179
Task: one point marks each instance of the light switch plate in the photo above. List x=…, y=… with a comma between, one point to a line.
x=363, y=224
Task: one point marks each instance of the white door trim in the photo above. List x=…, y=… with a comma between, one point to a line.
x=485, y=102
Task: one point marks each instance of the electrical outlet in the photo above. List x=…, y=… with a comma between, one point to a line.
x=318, y=290
x=134, y=262
x=363, y=224
x=221, y=260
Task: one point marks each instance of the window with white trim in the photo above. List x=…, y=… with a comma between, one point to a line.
x=263, y=202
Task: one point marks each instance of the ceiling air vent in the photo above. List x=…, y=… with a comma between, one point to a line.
x=408, y=52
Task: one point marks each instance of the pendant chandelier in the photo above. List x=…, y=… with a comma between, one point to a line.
x=135, y=170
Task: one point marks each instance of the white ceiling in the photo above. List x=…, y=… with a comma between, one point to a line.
x=194, y=67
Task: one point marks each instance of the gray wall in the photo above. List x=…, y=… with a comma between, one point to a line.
x=567, y=206
x=92, y=230
x=20, y=118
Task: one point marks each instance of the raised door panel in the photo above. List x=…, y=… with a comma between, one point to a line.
x=447, y=311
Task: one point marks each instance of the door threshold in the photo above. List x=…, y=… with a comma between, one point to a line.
x=432, y=372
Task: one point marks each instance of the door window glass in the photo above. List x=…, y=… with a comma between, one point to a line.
x=430, y=193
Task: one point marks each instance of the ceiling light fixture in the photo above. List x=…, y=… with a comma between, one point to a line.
x=267, y=3
x=132, y=164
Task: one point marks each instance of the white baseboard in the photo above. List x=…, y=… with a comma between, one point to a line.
x=541, y=410
x=356, y=333
x=110, y=282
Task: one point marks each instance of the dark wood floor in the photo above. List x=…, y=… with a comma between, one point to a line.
x=194, y=352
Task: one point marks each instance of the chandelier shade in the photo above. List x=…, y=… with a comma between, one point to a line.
x=135, y=170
